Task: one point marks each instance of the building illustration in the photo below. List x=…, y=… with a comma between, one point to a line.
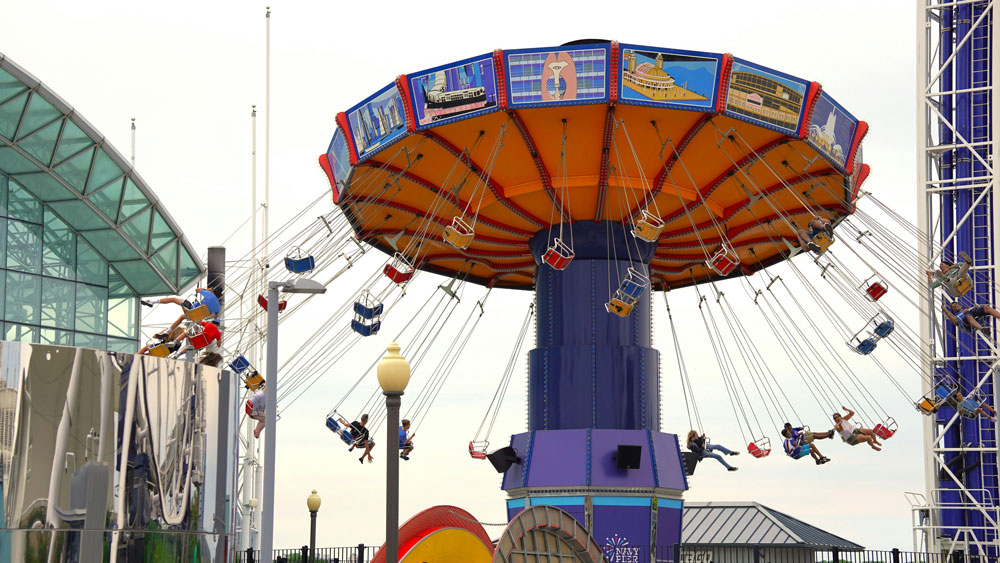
x=764, y=97
x=650, y=80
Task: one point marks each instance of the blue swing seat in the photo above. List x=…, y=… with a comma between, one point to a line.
x=800, y=452
x=969, y=407
x=633, y=285
x=239, y=364
x=365, y=329
x=884, y=329
x=944, y=391
x=866, y=346
x=367, y=311
x=340, y=431
x=300, y=265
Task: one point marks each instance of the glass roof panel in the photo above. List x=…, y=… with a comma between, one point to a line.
x=13, y=162
x=73, y=140
x=90, y=267
x=112, y=245
x=137, y=229
x=39, y=113
x=161, y=232
x=78, y=215
x=41, y=144
x=189, y=270
x=134, y=201
x=108, y=199
x=20, y=205
x=9, y=86
x=166, y=260
x=141, y=277
x=43, y=186
x=75, y=170
x=10, y=115
x=117, y=286
x=104, y=171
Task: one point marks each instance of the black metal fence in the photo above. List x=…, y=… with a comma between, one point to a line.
x=664, y=554
x=360, y=553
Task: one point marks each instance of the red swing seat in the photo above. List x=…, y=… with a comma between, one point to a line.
x=559, y=255
x=760, y=448
x=724, y=261
x=885, y=430
x=876, y=290
x=249, y=407
x=399, y=270
x=478, y=449
x=262, y=301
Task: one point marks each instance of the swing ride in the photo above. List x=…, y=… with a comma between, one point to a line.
x=642, y=194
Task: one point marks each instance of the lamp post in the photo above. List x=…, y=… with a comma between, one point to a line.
x=301, y=285
x=393, y=375
x=313, y=503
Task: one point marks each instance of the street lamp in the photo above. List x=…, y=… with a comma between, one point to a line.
x=393, y=375
x=300, y=285
x=313, y=503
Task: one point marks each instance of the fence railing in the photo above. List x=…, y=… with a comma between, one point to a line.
x=362, y=553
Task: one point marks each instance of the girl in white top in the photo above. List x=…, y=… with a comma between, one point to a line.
x=854, y=435
x=257, y=403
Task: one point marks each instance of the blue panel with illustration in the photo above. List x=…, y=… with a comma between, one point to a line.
x=377, y=122
x=651, y=76
x=453, y=91
x=766, y=97
x=340, y=161
x=557, y=75
x=831, y=131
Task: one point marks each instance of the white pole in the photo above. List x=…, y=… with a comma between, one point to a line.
x=133, y=142
x=267, y=132
x=270, y=424
x=249, y=460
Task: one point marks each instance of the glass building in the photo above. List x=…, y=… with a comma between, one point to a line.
x=82, y=237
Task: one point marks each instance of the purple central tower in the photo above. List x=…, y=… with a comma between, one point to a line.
x=594, y=447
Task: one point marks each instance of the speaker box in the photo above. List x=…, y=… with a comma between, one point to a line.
x=503, y=458
x=628, y=456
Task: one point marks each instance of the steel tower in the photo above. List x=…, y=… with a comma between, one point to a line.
x=956, y=141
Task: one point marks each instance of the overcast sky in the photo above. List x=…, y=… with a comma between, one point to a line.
x=189, y=73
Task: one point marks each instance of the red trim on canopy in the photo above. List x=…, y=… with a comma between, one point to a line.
x=324, y=163
x=499, y=70
x=725, y=71
x=859, y=135
x=403, y=85
x=613, y=74
x=602, y=182
x=811, y=97
x=543, y=172
x=345, y=126
x=668, y=164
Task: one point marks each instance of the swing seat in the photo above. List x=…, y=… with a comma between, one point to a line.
x=866, y=346
x=399, y=270
x=239, y=364
x=884, y=329
x=249, y=407
x=559, y=255
x=478, y=449
x=365, y=329
x=724, y=261
x=927, y=406
x=198, y=339
x=800, y=452
x=876, y=290
x=300, y=265
x=197, y=314
x=254, y=381
x=760, y=448
x=633, y=285
x=459, y=234
x=648, y=227
x=968, y=408
x=619, y=307
x=262, y=301
x=823, y=241
x=366, y=309
x=160, y=350
x=959, y=287
x=886, y=429
x=340, y=431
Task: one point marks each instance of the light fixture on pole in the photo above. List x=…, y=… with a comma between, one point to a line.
x=393, y=375
x=300, y=285
x=313, y=503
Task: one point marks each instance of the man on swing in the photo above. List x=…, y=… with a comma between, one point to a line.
x=853, y=435
x=816, y=226
x=361, y=438
x=971, y=319
x=795, y=439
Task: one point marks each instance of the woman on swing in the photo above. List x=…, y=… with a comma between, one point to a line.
x=697, y=444
x=854, y=435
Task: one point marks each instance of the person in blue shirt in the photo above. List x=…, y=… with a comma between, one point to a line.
x=207, y=297
x=405, y=440
x=794, y=445
x=971, y=319
x=799, y=436
x=816, y=226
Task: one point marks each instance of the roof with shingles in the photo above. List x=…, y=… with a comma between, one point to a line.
x=751, y=523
